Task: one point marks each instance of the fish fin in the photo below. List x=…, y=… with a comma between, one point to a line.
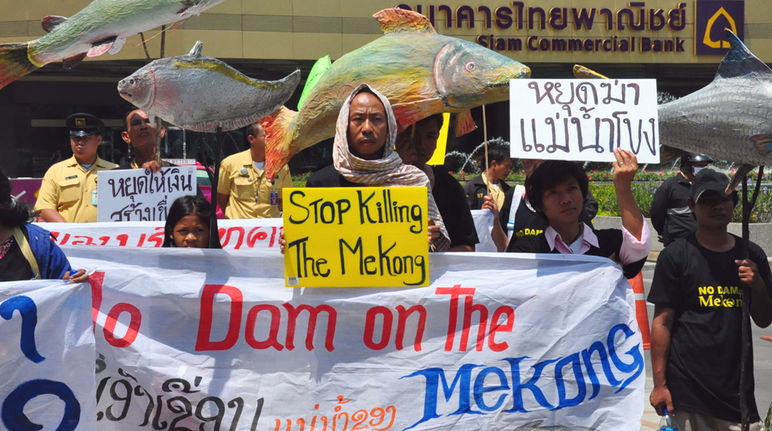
x=412, y=112
x=583, y=72
x=763, y=143
x=196, y=50
x=317, y=71
x=395, y=20
x=14, y=62
x=70, y=62
x=101, y=47
x=464, y=123
x=278, y=137
x=117, y=45
x=667, y=154
x=739, y=60
x=51, y=21
x=742, y=171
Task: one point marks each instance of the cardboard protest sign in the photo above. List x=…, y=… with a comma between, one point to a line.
x=583, y=119
x=141, y=194
x=356, y=236
x=207, y=339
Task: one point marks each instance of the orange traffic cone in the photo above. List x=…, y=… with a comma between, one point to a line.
x=640, y=309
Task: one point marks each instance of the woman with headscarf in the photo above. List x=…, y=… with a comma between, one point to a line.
x=26, y=250
x=363, y=155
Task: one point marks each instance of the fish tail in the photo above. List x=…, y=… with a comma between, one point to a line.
x=14, y=62
x=278, y=137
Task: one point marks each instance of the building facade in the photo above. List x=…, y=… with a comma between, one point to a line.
x=677, y=42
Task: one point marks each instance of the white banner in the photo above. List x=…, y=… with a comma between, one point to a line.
x=211, y=340
x=47, y=358
x=583, y=119
x=234, y=234
x=141, y=194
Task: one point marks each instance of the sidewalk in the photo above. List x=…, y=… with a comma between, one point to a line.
x=650, y=419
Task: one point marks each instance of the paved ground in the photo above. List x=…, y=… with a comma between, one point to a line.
x=762, y=364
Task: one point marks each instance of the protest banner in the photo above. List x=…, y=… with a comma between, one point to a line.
x=141, y=194
x=26, y=189
x=356, y=236
x=234, y=234
x=47, y=358
x=212, y=340
x=575, y=119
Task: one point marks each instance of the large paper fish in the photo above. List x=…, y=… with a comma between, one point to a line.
x=420, y=71
x=102, y=26
x=203, y=93
x=730, y=118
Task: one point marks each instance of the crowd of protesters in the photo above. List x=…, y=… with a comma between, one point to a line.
x=695, y=347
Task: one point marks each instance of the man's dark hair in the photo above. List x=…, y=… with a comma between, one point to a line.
x=436, y=117
x=253, y=129
x=551, y=173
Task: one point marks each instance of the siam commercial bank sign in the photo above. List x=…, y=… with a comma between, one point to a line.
x=637, y=28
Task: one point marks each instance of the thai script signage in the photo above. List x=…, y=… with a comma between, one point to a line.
x=356, y=236
x=141, y=194
x=575, y=119
x=640, y=27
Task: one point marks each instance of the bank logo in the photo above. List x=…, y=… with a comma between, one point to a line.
x=713, y=16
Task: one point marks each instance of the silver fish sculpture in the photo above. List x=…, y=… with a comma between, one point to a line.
x=102, y=26
x=203, y=93
x=730, y=118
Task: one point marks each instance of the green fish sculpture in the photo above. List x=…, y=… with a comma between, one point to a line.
x=421, y=72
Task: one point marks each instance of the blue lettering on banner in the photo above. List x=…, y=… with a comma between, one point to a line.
x=13, y=407
x=29, y=319
x=569, y=376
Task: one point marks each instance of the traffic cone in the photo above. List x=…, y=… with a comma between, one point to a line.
x=640, y=309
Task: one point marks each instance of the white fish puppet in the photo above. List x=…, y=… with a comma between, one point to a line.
x=204, y=94
x=102, y=26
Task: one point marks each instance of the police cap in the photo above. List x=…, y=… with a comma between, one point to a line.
x=84, y=124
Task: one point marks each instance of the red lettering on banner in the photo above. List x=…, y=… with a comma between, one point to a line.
x=404, y=314
x=470, y=307
x=454, y=293
x=225, y=236
x=112, y=319
x=122, y=239
x=273, y=331
x=83, y=240
x=372, y=314
x=203, y=339
x=96, y=280
x=496, y=327
x=157, y=237
x=313, y=312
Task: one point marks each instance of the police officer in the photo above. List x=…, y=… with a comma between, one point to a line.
x=670, y=213
x=68, y=192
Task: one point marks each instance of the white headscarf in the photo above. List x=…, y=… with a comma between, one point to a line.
x=387, y=171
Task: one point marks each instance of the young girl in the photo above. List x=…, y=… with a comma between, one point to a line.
x=557, y=190
x=191, y=223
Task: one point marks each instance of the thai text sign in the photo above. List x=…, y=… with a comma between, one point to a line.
x=141, y=194
x=209, y=340
x=583, y=119
x=356, y=236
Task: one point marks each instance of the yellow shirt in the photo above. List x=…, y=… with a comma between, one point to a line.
x=496, y=193
x=249, y=190
x=71, y=191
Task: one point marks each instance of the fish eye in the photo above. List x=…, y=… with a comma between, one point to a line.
x=131, y=81
x=470, y=66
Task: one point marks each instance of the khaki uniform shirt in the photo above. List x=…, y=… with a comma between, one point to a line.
x=249, y=190
x=71, y=191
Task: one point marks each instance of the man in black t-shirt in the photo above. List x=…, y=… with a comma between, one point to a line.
x=700, y=283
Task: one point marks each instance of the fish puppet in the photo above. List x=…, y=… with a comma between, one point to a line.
x=102, y=26
x=203, y=93
x=730, y=118
x=420, y=71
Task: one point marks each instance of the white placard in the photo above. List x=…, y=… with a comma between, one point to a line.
x=583, y=119
x=141, y=194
